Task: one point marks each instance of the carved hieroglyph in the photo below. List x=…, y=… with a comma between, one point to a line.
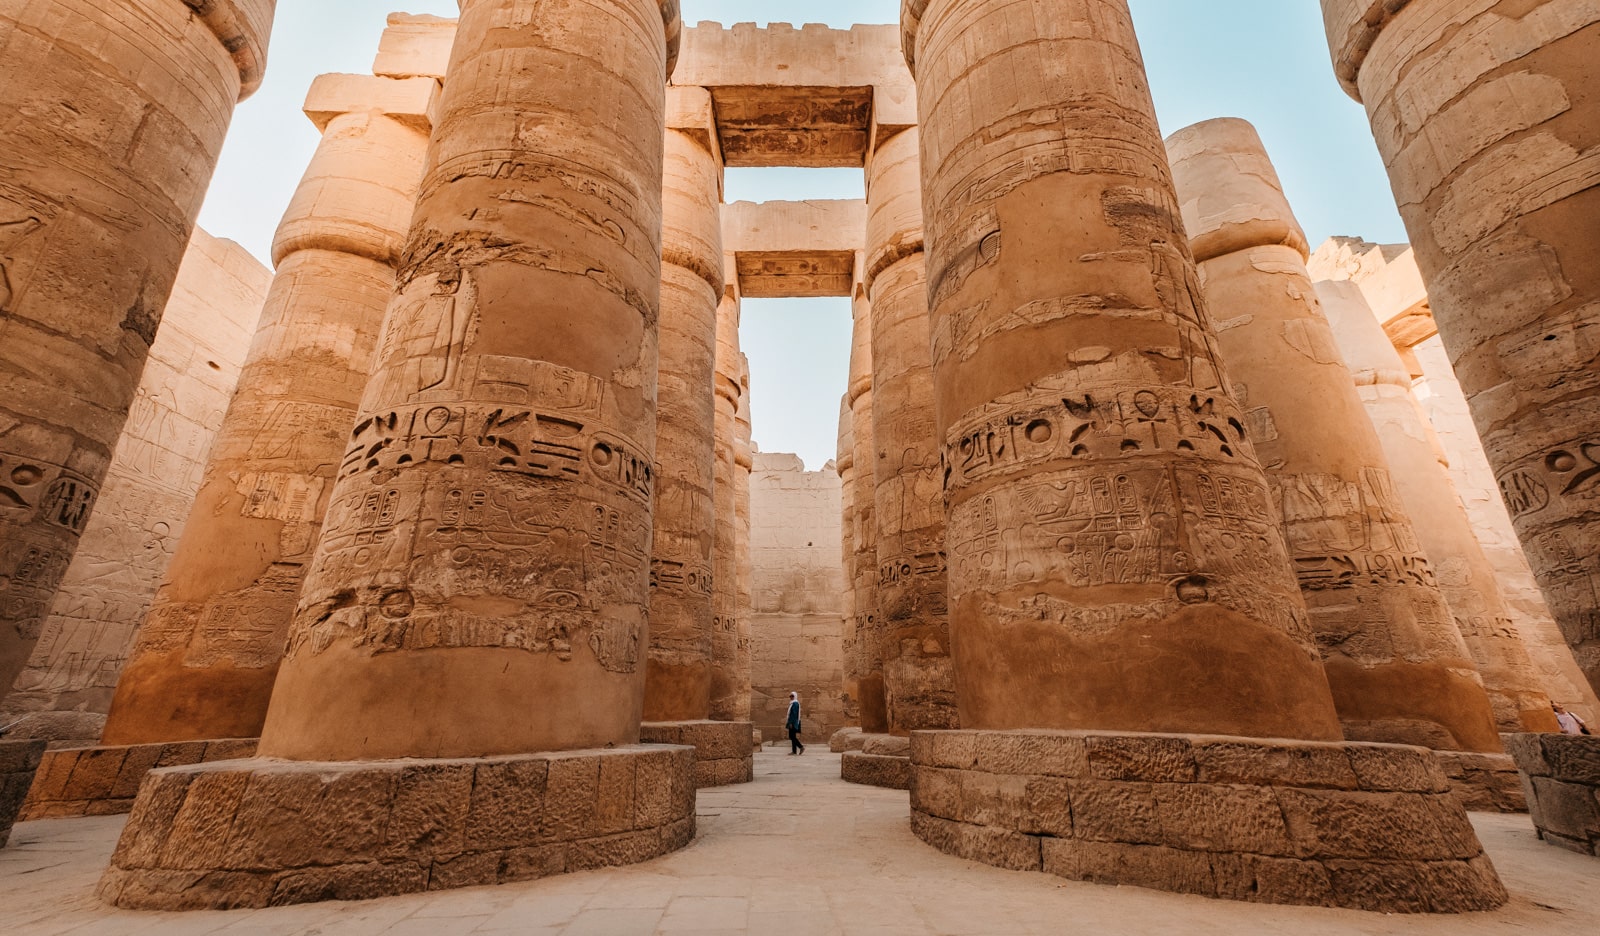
x=1399, y=669
x=1115, y=557
x=913, y=618
x=678, y=678
x=1480, y=110
x=868, y=636
x=209, y=650
x=116, y=111
x=1462, y=570
x=725, y=703
x=160, y=459
x=482, y=581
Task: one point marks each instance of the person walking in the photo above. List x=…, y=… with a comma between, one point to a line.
x=793, y=724
x=1570, y=723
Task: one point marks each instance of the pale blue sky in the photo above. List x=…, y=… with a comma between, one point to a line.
x=1263, y=60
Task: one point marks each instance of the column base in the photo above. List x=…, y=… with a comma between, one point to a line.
x=881, y=761
x=103, y=781
x=19, y=760
x=723, y=754
x=263, y=833
x=1359, y=826
x=1484, y=782
x=1561, y=777
x=846, y=739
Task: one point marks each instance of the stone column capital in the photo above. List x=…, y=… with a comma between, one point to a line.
x=1353, y=26
x=409, y=101
x=244, y=28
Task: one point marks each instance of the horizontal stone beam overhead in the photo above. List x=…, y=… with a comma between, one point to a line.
x=415, y=47
x=410, y=101
x=809, y=97
x=1389, y=279
x=794, y=249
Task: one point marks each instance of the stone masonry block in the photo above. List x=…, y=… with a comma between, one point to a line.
x=936, y=791
x=1311, y=766
x=1241, y=819
x=1147, y=758
x=570, y=798
x=892, y=773
x=886, y=746
x=1573, y=758
x=1393, y=768
x=19, y=761
x=1008, y=850
x=1566, y=809
x=1039, y=753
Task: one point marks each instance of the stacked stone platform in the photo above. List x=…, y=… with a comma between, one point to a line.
x=103, y=781
x=723, y=751
x=18, y=762
x=1359, y=826
x=262, y=833
x=1561, y=777
x=1483, y=782
x=880, y=761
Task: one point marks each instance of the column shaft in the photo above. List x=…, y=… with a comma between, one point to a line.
x=1399, y=669
x=1482, y=113
x=845, y=464
x=725, y=568
x=868, y=633
x=1116, y=561
x=116, y=112
x=208, y=652
x=482, y=582
x=744, y=567
x=1461, y=568
x=678, y=678
x=919, y=680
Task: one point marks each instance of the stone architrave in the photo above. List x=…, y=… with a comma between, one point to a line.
x=868, y=636
x=744, y=579
x=1120, y=590
x=475, y=615
x=160, y=460
x=1399, y=669
x=725, y=565
x=117, y=111
x=1480, y=111
x=918, y=678
x=207, y=654
x=1463, y=571
x=678, y=675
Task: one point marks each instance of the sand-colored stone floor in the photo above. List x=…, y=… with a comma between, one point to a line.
x=796, y=853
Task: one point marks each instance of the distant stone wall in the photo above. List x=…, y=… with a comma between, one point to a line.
x=194, y=364
x=798, y=626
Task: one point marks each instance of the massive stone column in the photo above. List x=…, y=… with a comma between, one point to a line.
x=479, y=596
x=1480, y=111
x=1109, y=525
x=1464, y=574
x=208, y=652
x=744, y=578
x=1118, y=571
x=868, y=634
x=1399, y=669
x=919, y=680
x=116, y=112
x=725, y=566
x=845, y=464
x=678, y=676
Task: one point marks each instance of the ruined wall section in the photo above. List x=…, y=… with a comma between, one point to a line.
x=193, y=366
x=798, y=627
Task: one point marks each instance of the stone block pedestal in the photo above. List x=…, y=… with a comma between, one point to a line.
x=102, y=781
x=260, y=833
x=1484, y=782
x=18, y=762
x=723, y=752
x=1361, y=826
x=880, y=760
x=846, y=739
x=1561, y=777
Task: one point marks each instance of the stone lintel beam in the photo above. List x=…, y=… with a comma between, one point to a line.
x=415, y=47
x=794, y=249
x=412, y=102
x=690, y=111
